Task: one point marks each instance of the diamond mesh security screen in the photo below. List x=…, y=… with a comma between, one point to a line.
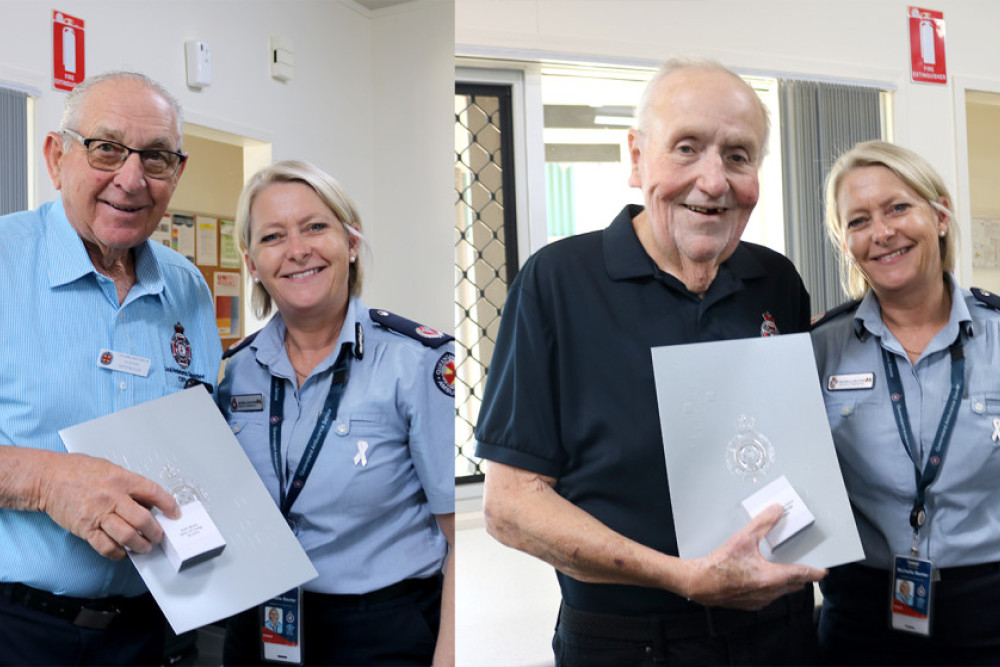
x=485, y=250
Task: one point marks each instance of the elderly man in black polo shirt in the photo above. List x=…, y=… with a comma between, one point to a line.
x=570, y=423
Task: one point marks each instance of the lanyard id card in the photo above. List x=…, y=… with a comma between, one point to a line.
x=281, y=628
x=911, y=594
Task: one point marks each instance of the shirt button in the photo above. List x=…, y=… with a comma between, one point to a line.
x=846, y=412
x=342, y=428
x=236, y=428
x=122, y=385
x=978, y=408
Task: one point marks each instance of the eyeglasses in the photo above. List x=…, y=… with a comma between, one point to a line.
x=108, y=155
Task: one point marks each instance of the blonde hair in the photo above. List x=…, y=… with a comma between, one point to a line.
x=327, y=188
x=910, y=168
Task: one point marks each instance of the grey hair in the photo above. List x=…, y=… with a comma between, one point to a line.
x=674, y=65
x=74, y=100
x=328, y=189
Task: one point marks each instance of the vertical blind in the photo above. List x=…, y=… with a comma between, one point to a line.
x=13, y=150
x=819, y=122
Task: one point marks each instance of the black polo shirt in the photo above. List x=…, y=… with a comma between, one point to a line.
x=570, y=391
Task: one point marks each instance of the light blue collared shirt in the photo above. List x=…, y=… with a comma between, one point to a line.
x=963, y=503
x=366, y=513
x=56, y=315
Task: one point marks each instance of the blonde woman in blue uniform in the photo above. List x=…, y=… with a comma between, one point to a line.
x=348, y=416
x=912, y=391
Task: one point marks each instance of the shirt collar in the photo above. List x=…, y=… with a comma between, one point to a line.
x=69, y=261
x=625, y=257
x=269, y=345
x=868, y=317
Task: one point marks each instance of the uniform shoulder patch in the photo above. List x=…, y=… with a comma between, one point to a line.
x=239, y=345
x=986, y=297
x=444, y=374
x=823, y=318
x=427, y=336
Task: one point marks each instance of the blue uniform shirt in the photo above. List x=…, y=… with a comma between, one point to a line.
x=366, y=513
x=963, y=503
x=56, y=315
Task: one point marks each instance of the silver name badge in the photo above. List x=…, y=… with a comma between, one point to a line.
x=247, y=403
x=851, y=381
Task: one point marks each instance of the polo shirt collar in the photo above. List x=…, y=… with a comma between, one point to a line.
x=69, y=261
x=625, y=257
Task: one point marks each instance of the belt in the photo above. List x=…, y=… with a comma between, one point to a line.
x=95, y=614
x=951, y=574
x=707, y=622
x=392, y=592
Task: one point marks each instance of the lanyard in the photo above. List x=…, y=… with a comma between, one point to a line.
x=943, y=436
x=337, y=386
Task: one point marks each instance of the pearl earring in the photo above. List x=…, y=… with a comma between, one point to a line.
x=941, y=233
x=352, y=259
x=256, y=280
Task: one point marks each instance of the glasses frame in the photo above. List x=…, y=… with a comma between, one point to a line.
x=86, y=141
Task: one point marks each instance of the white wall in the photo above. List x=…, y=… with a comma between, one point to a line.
x=842, y=39
x=414, y=171
x=326, y=114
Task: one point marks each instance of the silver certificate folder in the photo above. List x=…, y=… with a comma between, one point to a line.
x=182, y=443
x=735, y=416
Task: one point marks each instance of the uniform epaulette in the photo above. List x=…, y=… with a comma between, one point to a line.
x=239, y=345
x=985, y=296
x=823, y=318
x=429, y=337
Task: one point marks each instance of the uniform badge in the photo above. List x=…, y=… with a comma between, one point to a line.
x=247, y=403
x=768, y=327
x=427, y=332
x=444, y=374
x=749, y=454
x=180, y=347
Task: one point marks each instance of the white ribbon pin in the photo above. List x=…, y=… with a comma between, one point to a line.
x=996, y=430
x=362, y=448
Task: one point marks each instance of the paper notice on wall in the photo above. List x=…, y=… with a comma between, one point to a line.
x=226, y=288
x=182, y=235
x=229, y=253
x=208, y=246
x=162, y=232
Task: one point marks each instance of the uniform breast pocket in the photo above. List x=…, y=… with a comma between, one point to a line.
x=251, y=430
x=985, y=418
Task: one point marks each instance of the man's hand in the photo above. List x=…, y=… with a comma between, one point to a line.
x=736, y=575
x=103, y=503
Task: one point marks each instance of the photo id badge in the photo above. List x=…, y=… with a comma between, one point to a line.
x=281, y=628
x=911, y=594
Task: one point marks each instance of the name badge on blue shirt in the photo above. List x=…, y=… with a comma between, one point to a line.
x=247, y=403
x=850, y=381
x=125, y=363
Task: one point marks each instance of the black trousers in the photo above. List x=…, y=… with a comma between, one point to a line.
x=395, y=626
x=29, y=636
x=783, y=633
x=965, y=619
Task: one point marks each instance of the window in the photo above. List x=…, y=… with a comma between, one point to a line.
x=485, y=250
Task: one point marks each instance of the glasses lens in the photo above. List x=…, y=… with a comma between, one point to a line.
x=159, y=164
x=106, y=155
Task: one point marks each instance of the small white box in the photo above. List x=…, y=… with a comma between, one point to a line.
x=191, y=539
x=795, y=518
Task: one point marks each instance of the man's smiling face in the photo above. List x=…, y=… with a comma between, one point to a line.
x=116, y=209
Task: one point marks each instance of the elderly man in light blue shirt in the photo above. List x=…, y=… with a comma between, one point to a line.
x=84, y=289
